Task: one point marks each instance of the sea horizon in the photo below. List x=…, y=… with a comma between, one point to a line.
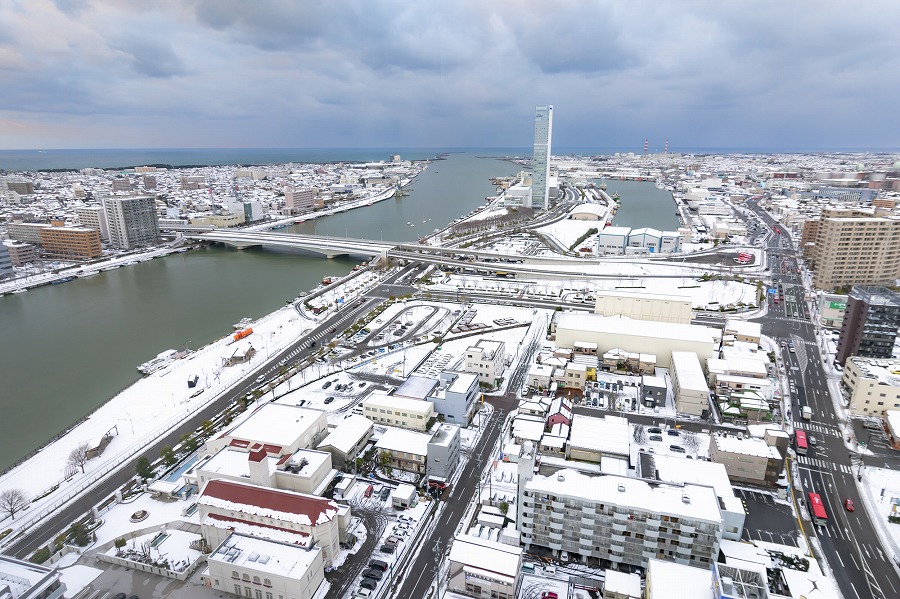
x=64, y=159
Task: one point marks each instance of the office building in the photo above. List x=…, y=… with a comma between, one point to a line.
x=395, y=410
x=486, y=359
x=747, y=460
x=543, y=136
x=455, y=396
x=616, y=518
x=871, y=386
x=855, y=246
x=247, y=566
x=78, y=243
x=870, y=324
x=299, y=200
x=345, y=441
x=133, y=221
x=21, y=253
x=443, y=452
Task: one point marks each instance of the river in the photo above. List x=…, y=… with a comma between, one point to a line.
x=68, y=348
x=643, y=205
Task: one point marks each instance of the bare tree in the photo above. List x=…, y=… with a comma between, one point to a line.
x=640, y=434
x=12, y=501
x=691, y=442
x=79, y=455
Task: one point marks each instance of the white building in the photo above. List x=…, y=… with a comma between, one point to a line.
x=638, y=336
x=247, y=566
x=304, y=471
x=644, y=306
x=347, y=439
x=543, y=137
x=394, y=410
x=689, y=384
x=286, y=516
x=484, y=569
x=94, y=217
x=871, y=385
x=24, y=580
x=486, y=359
x=517, y=196
x=622, y=519
x=280, y=428
x=408, y=449
x=667, y=580
x=592, y=438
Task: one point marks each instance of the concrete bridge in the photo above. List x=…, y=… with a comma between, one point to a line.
x=329, y=247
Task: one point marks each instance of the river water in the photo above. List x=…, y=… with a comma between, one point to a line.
x=66, y=349
x=643, y=205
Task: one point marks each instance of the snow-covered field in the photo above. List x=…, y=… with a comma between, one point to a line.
x=567, y=231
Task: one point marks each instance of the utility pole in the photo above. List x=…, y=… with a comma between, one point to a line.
x=437, y=568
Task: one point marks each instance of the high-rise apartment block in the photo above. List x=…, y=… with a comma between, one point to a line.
x=133, y=221
x=299, y=200
x=543, y=135
x=855, y=246
x=871, y=320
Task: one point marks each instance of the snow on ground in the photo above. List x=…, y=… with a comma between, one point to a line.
x=117, y=520
x=77, y=577
x=880, y=490
x=567, y=231
x=703, y=294
x=175, y=547
x=804, y=583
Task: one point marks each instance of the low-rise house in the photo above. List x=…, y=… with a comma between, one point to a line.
x=484, y=569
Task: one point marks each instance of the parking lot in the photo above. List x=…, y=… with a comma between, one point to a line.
x=767, y=519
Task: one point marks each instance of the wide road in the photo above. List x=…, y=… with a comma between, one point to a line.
x=848, y=540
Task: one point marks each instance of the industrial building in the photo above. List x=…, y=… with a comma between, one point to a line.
x=644, y=306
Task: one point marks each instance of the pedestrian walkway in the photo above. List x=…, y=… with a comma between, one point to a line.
x=812, y=427
x=823, y=464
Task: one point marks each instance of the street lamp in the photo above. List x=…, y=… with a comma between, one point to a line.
x=861, y=456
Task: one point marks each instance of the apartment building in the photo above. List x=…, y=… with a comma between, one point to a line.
x=394, y=410
x=299, y=200
x=133, y=221
x=870, y=324
x=94, y=217
x=871, y=386
x=616, y=518
x=855, y=246
x=21, y=254
x=486, y=359
x=78, y=243
x=26, y=232
x=246, y=566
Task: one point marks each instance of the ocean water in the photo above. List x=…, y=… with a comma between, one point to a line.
x=73, y=159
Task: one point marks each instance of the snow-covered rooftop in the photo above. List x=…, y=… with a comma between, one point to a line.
x=288, y=506
x=280, y=559
x=495, y=558
x=745, y=446
x=608, y=435
x=615, y=325
x=675, y=581
x=347, y=433
x=687, y=367
x=398, y=439
x=276, y=424
x=690, y=501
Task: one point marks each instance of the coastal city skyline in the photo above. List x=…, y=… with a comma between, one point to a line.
x=701, y=75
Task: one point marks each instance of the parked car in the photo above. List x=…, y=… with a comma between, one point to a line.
x=655, y=437
x=369, y=490
x=388, y=548
x=677, y=448
x=326, y=385
x=564, y=556
x=329, y=399
x=368, y=583
x=374, y=574
x=849, y=505
x=672, y=432
x=654, y=430
x=377, y=564
x=385, y=493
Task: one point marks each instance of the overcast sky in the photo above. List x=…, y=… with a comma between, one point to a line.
x=327, y=73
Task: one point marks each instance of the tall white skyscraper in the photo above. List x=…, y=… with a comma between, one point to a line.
x=540, y=180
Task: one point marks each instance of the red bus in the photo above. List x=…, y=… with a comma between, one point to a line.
x=816, y=509
x=800, y=442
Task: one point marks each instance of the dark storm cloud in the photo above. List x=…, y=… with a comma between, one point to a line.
x=282, y=72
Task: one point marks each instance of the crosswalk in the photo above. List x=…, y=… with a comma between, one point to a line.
x=820, y=429
x=823, y=464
